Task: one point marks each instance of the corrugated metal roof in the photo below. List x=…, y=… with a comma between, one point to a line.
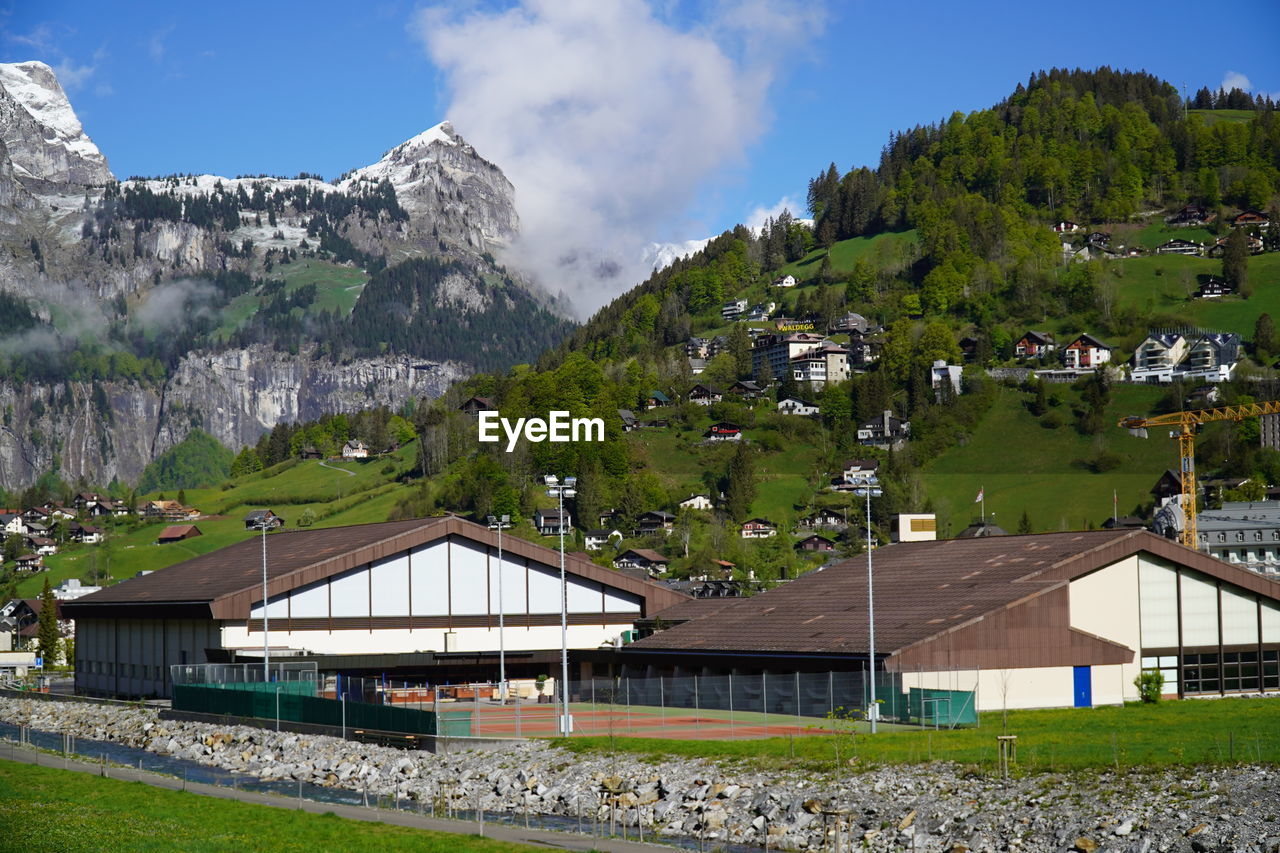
x=921, y=589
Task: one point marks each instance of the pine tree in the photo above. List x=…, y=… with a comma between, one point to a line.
x=1235, y=262
x=1264, y=337
x=48, y=638
x=741, y=490
x=1024, y=523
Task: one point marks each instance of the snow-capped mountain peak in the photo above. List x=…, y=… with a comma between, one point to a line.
x=63, y=152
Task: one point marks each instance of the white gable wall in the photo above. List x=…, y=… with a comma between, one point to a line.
x=410, y=601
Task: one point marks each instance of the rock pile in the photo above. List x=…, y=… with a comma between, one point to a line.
x=925, y=808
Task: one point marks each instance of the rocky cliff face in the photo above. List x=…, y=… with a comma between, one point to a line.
x=115, y=429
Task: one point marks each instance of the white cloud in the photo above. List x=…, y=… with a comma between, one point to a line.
x=41, y=38
x=155, y=44
x=1236, y=80
x=755, y=219
x=608, y=118
x=72, y=76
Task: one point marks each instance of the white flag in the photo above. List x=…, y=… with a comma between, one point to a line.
x=978, y=499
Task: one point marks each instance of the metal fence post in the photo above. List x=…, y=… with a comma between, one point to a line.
x=697, y=713
x=662, y=703
x=797, y=698
x=628, y=688
x=764, y=700
x=730, y=703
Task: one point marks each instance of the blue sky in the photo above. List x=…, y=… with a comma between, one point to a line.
x=667, y=120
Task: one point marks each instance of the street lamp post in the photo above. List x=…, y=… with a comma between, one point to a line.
x=869, y=487
x=561, y=491
x=500, y=523
x=266, y=649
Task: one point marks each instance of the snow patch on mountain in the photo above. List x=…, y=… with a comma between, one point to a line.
x=399, y=165
x=35, y=88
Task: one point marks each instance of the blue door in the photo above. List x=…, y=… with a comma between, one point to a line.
x=1084, y=687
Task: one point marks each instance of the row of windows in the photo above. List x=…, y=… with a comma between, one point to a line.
x=1234, y=671
x=123, y=670
x=1239, y=536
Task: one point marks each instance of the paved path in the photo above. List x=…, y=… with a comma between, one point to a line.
x=332, y=468
x=498, y=831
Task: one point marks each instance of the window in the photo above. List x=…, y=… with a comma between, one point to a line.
x=1270, y=669
x=1257, y=536
x=1200, y=674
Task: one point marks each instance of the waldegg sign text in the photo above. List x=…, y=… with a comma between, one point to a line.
x=558, y=427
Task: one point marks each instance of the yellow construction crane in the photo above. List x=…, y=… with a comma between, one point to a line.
x=1185, y=424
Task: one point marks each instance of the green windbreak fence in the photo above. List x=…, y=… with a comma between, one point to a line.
x=942, y=707
x=294, y=702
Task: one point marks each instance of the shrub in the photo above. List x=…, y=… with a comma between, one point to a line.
x=1150, y=684
x=1105, y=461
x=1053, y=420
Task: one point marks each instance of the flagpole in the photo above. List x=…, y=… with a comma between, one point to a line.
x=982, y=490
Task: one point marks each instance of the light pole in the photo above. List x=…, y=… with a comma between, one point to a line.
x=500, y=523
x=560, y=492
x=869, y=487
x=266, y=649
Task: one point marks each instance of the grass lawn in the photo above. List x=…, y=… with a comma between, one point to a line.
x=1212, y=117
x=1158, y=288
x=1024, y=466
x=337, y=288
x=1189, y=732
x=45, y=810
x=844, y=254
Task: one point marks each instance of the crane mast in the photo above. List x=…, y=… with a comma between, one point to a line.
x=1184, y=432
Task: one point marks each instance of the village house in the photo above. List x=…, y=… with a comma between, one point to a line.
x=1034, y=345
x=552, y=522
x=942, y=374
x=1179, y=246
x=177, y=533
x=886, y=432
x=85, y=501
x=797, y=406
x=733, y=309
x=475, y=405
x=1250, y=219
x=645, y=559
x=758, y=528
x=84, y=533
x=1164, y=357
x=1213, y=288
x=822, y=519
x=1192, y=216
x=655, y=521
x=355, y=449
x=259, y=518
x=785, y=281
x=656, y=399
x=1219, y=247
x=848, y=323
x=595, y=540
x=864, y=350
x=700, y=502
x=697, y=365
x=747, y=389
x=12, y=524
x=167, y=511
x=705, y=395
x=815, y=544
x=1066, y=227
x=697, y=347
x=723, y=431
x=828, y=363
x=1085, y=353
x=772, y=353
x=628, y=418
x=859, y=469
x=760, y=312
x=29, y=563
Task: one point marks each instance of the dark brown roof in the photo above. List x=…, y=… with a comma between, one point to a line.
x=923, y=589
x=226, y=582
x=696, y=608
x=645, y=553
x=179, y=531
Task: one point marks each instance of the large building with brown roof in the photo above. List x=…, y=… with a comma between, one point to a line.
x=418, y=596
x=1044, y=620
